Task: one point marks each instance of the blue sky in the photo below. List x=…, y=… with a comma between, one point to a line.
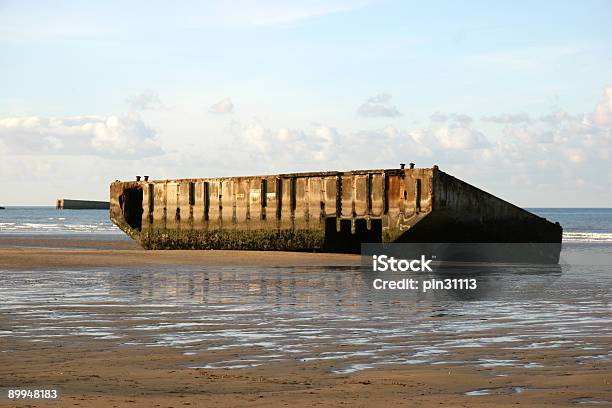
x=514, y=97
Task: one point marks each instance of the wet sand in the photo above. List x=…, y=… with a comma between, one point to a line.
x=106, y=373
x=64, y=252
x=103, y=375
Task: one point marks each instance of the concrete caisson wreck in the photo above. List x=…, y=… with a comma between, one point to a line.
x=323, y=211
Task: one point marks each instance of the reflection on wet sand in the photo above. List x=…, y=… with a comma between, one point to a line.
x=309, y=314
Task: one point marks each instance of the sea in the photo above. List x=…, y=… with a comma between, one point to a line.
x=313, y=313
x=49, y=220
x=579, y=224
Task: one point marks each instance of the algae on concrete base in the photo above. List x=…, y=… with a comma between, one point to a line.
x=267, y=240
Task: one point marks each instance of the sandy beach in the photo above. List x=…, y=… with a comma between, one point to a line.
x=34, y=253
x=108, y=373
x=103, y=375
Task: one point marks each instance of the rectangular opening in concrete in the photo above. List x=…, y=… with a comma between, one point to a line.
x=264, y=198
x=279, y=198
x=192, y=193
x=347, y=241
x=151, y=195
x=131, y=206
x=293, y=196
x=206, y=200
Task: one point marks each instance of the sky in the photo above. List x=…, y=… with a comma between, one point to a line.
x=514, y=97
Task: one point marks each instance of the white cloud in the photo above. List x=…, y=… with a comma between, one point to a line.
x=461, y=118
x=529, y=135
x=438, y=117
x=380, y=98
x=392, y=145
x=224, y=106
x=602, y=116
x=318, y=143
x=113, y=136
x=574, y=155
x=457, y=118
x=459, y=137
x=369, y=110
x=387, y=146
x=257, y=136
x=148, y=100
x=558, y=155
x=378, y=106
x=557, y=117
x=508, y=118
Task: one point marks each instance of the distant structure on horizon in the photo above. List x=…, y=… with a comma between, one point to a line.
x=67, y=204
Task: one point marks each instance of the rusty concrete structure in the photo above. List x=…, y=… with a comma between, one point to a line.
x=67, y=204
x=322, y=211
